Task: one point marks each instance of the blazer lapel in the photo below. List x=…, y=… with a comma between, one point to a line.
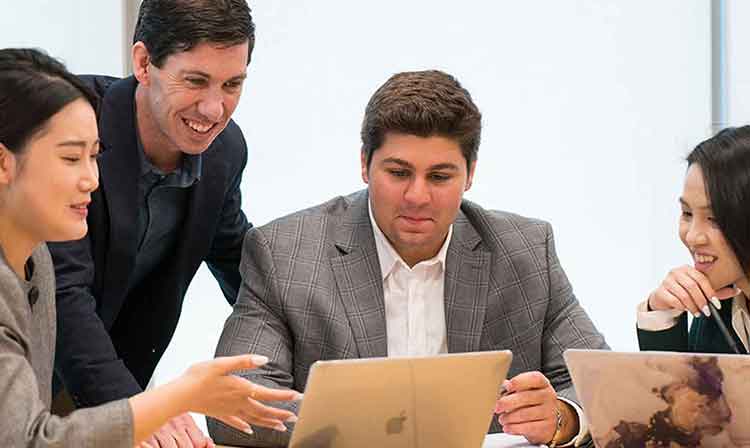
x=119, y=170
x=467, y=271
x=359, y=281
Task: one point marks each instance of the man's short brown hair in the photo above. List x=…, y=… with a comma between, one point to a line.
x=424, y=103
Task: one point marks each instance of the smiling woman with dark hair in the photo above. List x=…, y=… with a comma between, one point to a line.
x=715, y=227
x=48, y=149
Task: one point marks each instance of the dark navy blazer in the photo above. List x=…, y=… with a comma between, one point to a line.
x=109, y=340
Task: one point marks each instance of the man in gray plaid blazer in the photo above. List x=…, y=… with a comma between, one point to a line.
x=408, y=267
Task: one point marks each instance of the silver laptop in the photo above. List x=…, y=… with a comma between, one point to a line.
x=437, y=401
x=663, y=399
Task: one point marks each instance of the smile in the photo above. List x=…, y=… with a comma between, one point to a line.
x=198, y=127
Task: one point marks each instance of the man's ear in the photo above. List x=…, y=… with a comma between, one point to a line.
x=141, y=63
x=363, y=164
x=470, y=175
x=7, y=165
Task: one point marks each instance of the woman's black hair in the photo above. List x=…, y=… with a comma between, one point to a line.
x=724, y=160
x=33, y=87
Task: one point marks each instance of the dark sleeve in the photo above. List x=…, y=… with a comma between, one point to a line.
x=674, y=339
x=85, y=358
x=566, y=326
x=257, y=325
x=226, y=248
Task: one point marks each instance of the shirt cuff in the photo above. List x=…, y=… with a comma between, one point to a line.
x=583, y=427
x=656, y=320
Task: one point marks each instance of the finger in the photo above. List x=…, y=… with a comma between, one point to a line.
x=527, y=381
x=527, y=398
x=674, y=288
x=699, y=298
x=537, y=432
x=662, y=299
x=274, y=424
x=727, y=293
x=703, y=283
x=195, y=435
x=236, y=422
x=261, y=410
x=527, y=414
x=151, y=442
x=258, y=392
x=181, y=438
x=165, y=440
x=229, y=364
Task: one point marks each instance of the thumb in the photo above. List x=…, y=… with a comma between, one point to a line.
x=229, y=364
x=727, y=292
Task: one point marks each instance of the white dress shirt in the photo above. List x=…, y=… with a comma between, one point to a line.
x=415, y=307
x=414, y=299
x=664, y=319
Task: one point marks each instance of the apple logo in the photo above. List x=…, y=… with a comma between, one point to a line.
x=395, y=425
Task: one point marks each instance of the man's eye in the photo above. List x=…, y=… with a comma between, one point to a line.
x=438, y=177
x=686, y=214
x=233, y=85
x=398, y=173
x=71, y=159
x=196, y=81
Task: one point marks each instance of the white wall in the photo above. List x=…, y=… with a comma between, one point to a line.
x=589, y=108
x=738, y=62
x=86, y=34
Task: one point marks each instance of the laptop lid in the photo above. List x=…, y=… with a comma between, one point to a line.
x=658, y=398
x=446, y=401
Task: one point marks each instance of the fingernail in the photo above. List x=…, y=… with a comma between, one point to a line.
x=249, y=430
x=716, y=302
x=259, y=360
x=696, y=314
x=706, y=310
x=280, y=427
x=292, y=419
x=298, y=397
x=737, y=291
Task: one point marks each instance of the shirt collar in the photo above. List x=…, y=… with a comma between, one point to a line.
x=390, y=259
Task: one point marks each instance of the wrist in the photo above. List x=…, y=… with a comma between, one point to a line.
x=567, y=426
x=182, y=394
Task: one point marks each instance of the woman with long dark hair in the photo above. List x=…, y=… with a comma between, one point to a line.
x=715, y=228
x=48, y=149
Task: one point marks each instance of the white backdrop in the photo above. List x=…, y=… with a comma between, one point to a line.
x=589, y=108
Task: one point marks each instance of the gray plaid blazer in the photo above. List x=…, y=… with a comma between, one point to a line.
x=312, y=290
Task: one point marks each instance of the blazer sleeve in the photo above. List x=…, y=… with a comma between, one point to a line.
x=674, y=339
x=223, y=259
x=257, y=325
x=566, y=326
x=85, y=358
x=25, y=419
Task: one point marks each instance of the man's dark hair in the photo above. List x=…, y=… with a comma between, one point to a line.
x=425, y=103
x=171, y=26
x=33, y=88
x=724, y=160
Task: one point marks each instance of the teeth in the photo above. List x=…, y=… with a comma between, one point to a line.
x=704, y=258
x=197, y=127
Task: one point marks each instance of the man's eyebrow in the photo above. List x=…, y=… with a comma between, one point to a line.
x=239, y=77
x=397, y=161
x=444, y=166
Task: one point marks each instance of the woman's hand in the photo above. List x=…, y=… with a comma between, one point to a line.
x=214, y=391
x=687, y=289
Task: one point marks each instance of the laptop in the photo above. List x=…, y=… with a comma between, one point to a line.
x=436, y=401
x=663, y=398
